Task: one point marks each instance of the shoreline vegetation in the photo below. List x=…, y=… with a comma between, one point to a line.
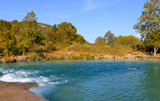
x=18, y=92
x=30, y=40
x=77, y=56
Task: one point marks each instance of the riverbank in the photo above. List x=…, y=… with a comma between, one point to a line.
x=17, y=92
x=83, y=52
x=77, y=56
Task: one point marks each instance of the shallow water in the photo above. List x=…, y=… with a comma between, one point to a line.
x=88, y=80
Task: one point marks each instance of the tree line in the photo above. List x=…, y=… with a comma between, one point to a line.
x=17, y=38
x=148, y=26
x=110, y=39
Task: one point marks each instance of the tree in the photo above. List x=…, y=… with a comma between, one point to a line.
x=15, y=29
x=52, y=34
x=109, y=38
x=4, y=25
x=15, y=26
x=54, y=29
x=30, y=35
x=30, y=21
x=153, y=40
x=149, y=21
x=30, y=17
x=66, y=33
x=100, y=41
x=128, y=40
x=79, y=39
x=7, y=39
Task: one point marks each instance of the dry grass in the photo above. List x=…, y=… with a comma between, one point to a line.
x=88, y=51
x=97, y=50
x=80, y=51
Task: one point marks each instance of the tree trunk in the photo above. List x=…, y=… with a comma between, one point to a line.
x=155, y=51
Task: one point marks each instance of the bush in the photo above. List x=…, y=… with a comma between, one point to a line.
x=128, y=40
x=34, y=58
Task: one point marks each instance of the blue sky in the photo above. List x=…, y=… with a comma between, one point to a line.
x=92, y=18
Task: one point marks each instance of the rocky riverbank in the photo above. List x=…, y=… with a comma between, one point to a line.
x=14, y=59
x=76, y=56
x=17, y=92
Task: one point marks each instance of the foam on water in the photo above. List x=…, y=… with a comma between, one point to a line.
x=45, y=79
x=32, y=76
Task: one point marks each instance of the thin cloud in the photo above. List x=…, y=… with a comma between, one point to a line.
x=92, y=4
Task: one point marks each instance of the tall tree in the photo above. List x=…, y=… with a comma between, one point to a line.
x=153, y=40
x=109, y=38
x=149, y=21
x=30, y=17
x=30, y=35
x=30, y=21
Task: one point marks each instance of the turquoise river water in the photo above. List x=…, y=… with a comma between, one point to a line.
x=88, y=80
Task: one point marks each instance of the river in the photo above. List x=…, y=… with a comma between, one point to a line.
x=101, y=80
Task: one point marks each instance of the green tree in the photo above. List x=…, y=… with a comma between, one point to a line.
x=128, y=40
x=65, y=33
x=30, y=35
x=4, y=25
x=110, y=38
x=30, y=21
x=7, y=39
x=79, y=39
x=149, y=21
x=100, y=41
x=30, y=17
x=153, y=40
